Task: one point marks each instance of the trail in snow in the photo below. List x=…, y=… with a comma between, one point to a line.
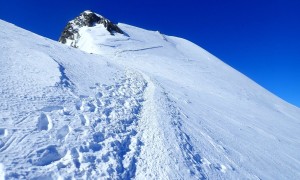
x=99, y=139
x=109, y=120
x=141, y=49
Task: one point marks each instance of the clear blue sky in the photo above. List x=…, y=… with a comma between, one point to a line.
x=260, y=38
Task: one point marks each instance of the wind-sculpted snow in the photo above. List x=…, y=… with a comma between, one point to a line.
x=138, y=105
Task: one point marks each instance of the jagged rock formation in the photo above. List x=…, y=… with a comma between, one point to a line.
x=89, y=19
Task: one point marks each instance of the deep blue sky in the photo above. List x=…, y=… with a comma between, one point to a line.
x=260, y=38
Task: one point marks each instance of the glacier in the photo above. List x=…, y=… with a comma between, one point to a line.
x=138, y=105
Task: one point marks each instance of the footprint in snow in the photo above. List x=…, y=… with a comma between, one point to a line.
x=63, y=132
x=44, y=122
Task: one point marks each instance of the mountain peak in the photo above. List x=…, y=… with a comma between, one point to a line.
x=87, y=11
x=89, y=19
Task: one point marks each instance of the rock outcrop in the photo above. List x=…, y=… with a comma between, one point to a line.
x=87, y=18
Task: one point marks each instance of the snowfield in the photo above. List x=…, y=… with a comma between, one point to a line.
x=138, y=105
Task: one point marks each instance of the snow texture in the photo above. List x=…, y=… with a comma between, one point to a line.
x=137, y=106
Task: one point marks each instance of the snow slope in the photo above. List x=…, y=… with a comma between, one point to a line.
x=143, y=105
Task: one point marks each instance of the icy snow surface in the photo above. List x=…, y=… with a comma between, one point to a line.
x=142, y=105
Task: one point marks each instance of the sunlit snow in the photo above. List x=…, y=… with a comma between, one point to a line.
x=141, y=105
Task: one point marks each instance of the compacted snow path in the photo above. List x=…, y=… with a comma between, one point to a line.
x=109, y=120
x=99, y=140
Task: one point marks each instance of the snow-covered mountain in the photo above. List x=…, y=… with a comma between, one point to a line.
x=72, y=32
x=131, y=103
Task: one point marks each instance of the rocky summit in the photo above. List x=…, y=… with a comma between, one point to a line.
x=89, y=19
